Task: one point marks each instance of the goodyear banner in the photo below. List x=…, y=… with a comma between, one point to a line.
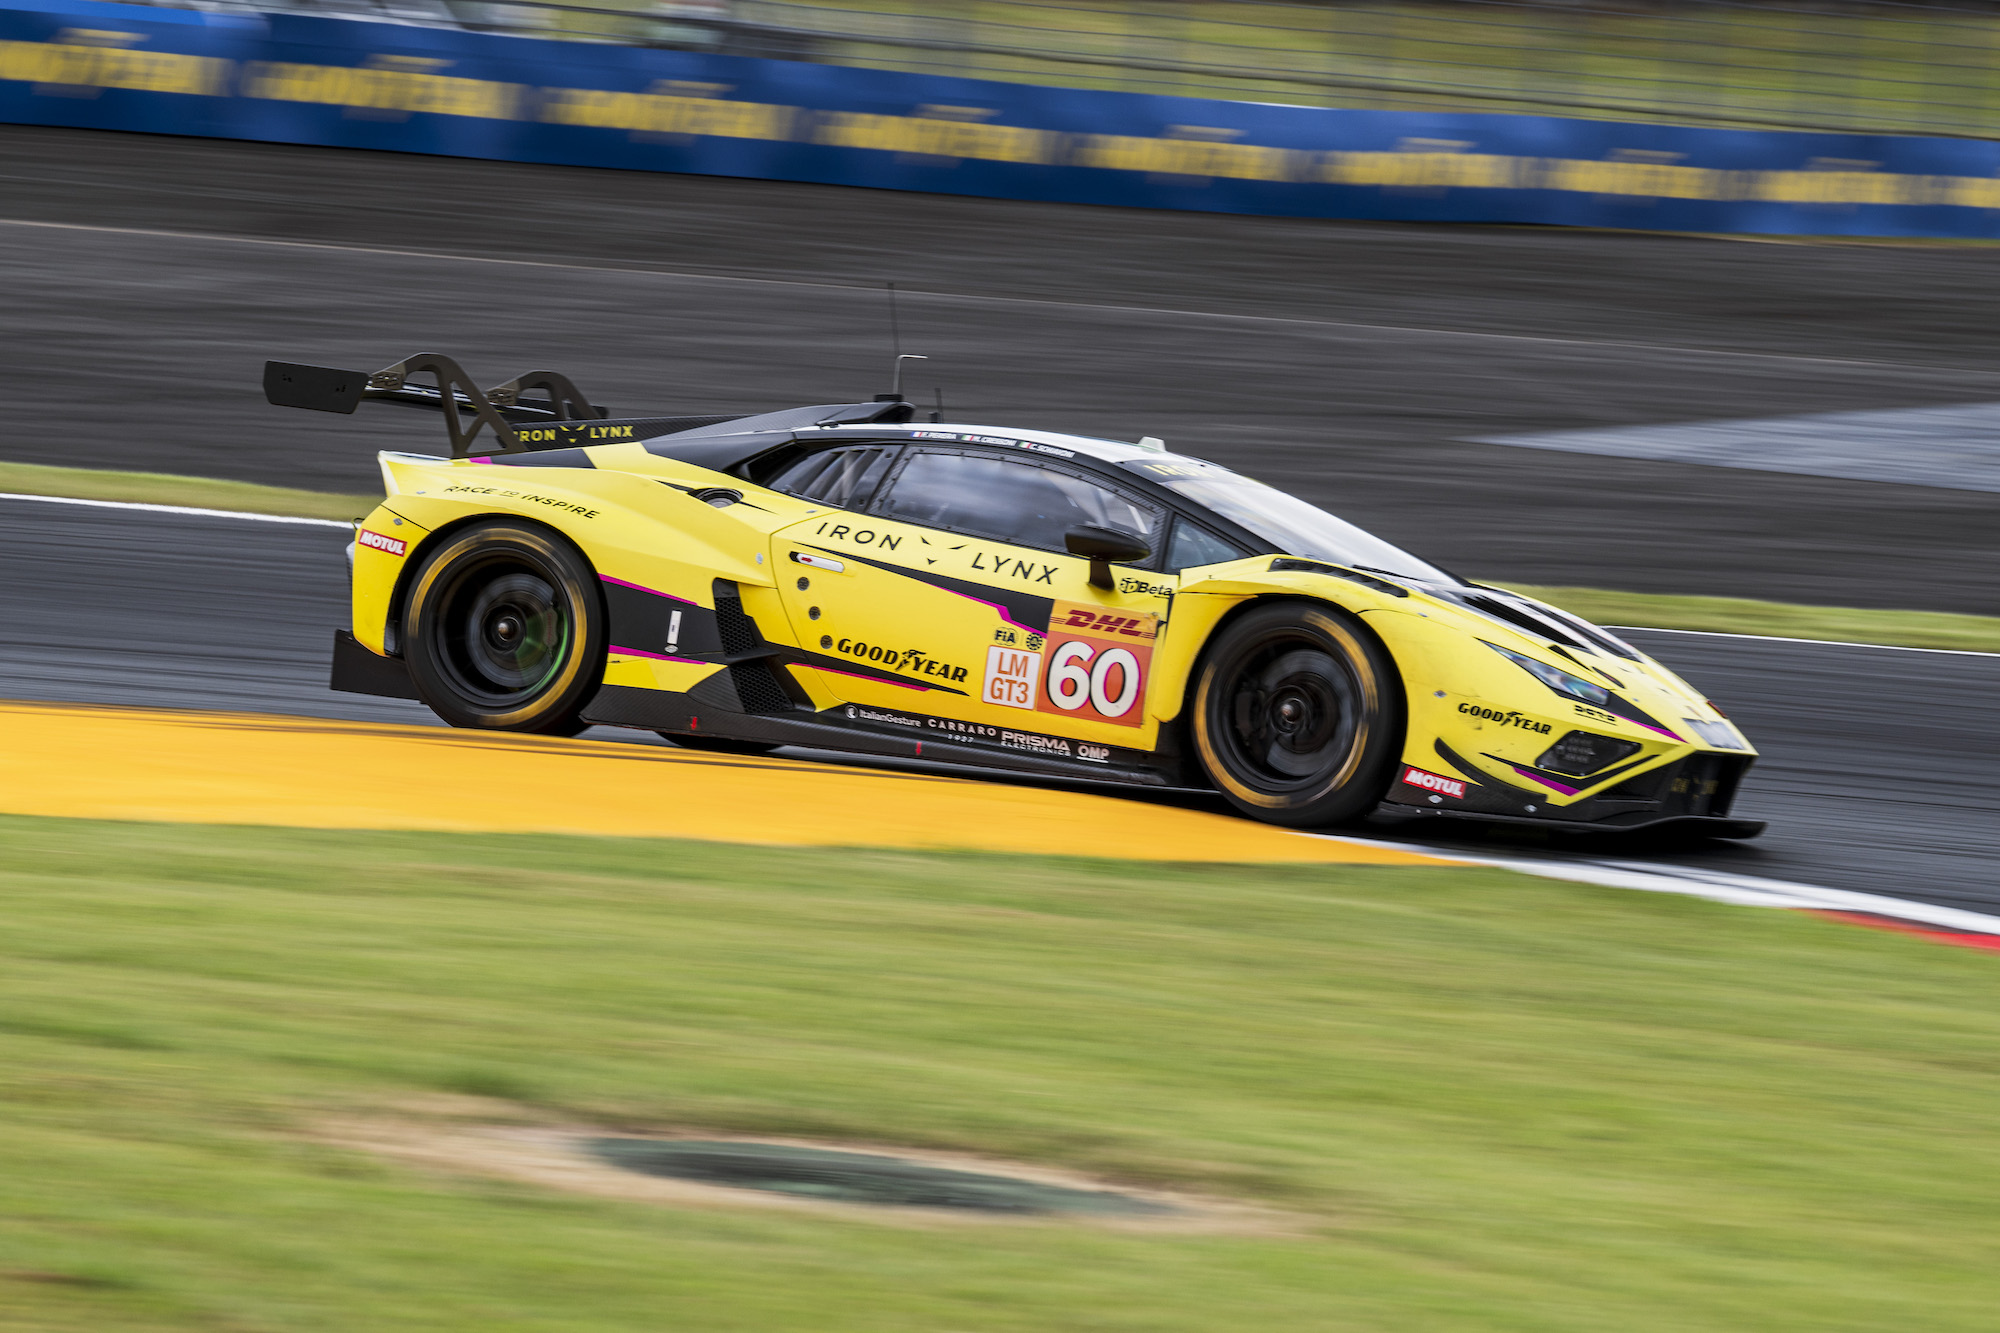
x=390, y=86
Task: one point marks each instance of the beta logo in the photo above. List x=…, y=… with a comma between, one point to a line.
x=393, y=545
x=1452, y=787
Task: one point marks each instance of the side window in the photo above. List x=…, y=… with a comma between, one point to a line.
x=1011, y=500
x=842, y=478
x=1193, y=545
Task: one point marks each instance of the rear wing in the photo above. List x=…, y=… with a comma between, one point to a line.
x=503, y=409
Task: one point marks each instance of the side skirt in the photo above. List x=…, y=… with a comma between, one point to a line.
x=358, y=671
x=863, y=730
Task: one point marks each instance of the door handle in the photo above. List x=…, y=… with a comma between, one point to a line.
x=827, y=563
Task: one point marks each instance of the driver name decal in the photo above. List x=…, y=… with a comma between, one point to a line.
x=1095, y=665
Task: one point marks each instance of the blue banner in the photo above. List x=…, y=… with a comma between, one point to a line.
x=359, y=84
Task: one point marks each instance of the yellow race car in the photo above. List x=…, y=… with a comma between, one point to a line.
x=845, y=577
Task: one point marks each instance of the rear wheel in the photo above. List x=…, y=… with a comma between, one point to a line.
x=503, y=629
x=1297, y=715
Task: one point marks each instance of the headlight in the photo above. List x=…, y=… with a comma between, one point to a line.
x=1719, y=734
x=1571, y=687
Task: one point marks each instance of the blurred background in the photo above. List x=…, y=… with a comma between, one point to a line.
x=1858, y=67
x=1679, y=312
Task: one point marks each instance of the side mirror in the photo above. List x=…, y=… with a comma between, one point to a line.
x=1101, y=546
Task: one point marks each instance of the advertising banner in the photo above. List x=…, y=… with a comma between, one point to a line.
x=406, y=88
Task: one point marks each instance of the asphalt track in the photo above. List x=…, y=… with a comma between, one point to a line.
x=1877, y=777
x=147, y=278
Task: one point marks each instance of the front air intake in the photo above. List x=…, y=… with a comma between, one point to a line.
x=1582, y=753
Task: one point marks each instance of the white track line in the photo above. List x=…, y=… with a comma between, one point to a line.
x=1778, y=638
x=335, y=523
x=1716, y=885
x=180, y=509
x=1744, y=890
x=682, y=275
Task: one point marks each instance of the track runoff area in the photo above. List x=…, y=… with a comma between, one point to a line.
x=112, y=719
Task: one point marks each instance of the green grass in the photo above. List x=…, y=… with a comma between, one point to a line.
x=1502, y=1103
x=1742, y=615
x=165, y=489
x=1913, y=71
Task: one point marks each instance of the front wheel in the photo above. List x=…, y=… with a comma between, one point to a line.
x=504, y=629
x=1298, y=715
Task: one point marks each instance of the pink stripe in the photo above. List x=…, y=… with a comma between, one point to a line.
x=1648, y=726
x=487, y=461
x=657, y=657
x=879, y=680
x=640, y=587
x=1553, y=786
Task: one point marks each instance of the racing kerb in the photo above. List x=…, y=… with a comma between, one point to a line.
x=294, y=79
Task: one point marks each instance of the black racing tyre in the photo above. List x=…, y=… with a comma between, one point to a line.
x=719, y=744
x=1298, y=715
x=503, y=628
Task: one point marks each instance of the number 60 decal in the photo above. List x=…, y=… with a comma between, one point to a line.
x=1097, y=662
x=1110, y=685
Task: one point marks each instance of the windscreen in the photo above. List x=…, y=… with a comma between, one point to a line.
x=1285, y=521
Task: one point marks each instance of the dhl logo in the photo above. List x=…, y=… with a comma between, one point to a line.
x=1110, y=624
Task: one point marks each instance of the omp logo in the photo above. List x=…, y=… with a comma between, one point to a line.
x=375, y=539
x=1452, y=787
x=1096, y=754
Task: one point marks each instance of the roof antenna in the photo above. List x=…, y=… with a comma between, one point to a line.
x=895, y=394
x=896, y=387
x=937, y=413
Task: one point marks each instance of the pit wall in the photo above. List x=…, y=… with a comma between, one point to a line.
x=291, y=79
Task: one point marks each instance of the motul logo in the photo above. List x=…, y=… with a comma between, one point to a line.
x=1452, y=787
x=375, y=539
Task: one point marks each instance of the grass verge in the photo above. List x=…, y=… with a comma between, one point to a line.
x=1734, y=615
x=1509, y=1104
x=162, y=488
x=1739, y=615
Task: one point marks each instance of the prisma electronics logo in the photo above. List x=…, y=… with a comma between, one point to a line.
x=1452, y=787
x=392, y=545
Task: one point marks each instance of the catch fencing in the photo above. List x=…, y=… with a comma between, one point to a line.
x=438, y=88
